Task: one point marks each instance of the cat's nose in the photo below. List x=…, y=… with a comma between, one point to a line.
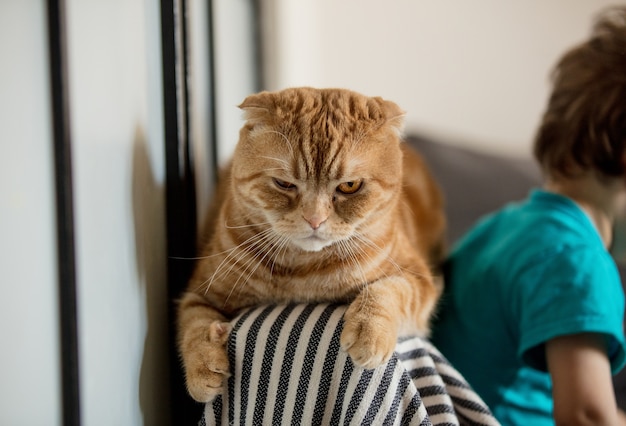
x=316, y=221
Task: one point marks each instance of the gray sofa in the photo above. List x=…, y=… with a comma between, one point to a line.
x=475, y=183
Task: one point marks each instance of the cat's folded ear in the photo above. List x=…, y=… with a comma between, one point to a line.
x=257, y=107
x=393, y=114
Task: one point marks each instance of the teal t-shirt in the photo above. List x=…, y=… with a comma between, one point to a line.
x=526, y=274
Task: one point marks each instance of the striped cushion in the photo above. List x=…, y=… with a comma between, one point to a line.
x=287, y=368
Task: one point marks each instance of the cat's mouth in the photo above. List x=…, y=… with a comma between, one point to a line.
x=312, y=243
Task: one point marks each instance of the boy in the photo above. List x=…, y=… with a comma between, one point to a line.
x=533, y=309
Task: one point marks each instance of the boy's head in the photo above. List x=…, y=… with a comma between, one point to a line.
x=584, y=125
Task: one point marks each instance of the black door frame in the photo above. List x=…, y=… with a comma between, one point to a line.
x=66, y=253
x=181, y=220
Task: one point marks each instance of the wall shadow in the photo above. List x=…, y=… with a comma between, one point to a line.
x=148, y=204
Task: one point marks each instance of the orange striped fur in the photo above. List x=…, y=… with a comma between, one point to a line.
x=321, y=203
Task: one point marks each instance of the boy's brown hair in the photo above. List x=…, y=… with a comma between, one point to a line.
x=584, y=125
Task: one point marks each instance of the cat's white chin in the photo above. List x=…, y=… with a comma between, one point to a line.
x=312, y=243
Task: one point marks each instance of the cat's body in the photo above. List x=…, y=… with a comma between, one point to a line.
x=322, y=204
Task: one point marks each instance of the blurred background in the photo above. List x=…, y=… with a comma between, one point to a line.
x=472, y=72
x=147, y=107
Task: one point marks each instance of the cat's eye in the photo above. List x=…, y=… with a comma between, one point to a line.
x=284, y=184
x=350, y=187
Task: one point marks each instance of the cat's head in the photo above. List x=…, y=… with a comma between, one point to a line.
x=318, y=165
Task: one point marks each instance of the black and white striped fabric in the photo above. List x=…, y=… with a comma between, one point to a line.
x=287, y=368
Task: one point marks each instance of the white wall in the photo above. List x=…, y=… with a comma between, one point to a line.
x=235, y=74
x=234, y=68
x=201, y=119
x=29, y=327
x=473, y=72
x=117, y=128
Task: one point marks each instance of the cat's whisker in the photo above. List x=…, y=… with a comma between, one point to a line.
x=192, y=258
x=210, y=255
x=353, y=259
x=265, y=246
x=371, y=260
x=233, y=258
x=282, y=169
x=232, y=249
x=247, y=218
x=252, y=243
x=280, y=160
x=252, y=225
x=282, y=258
x=368, y=242
x=364, y=287
x=389, y=259
x=286, y=139
x=283, y=242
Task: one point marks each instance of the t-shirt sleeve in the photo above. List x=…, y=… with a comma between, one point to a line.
x=570, y=293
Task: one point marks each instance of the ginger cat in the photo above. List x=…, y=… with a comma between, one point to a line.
x=321, y=203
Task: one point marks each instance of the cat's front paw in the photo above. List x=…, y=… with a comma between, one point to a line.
x=369, y=338
x=207, y=367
